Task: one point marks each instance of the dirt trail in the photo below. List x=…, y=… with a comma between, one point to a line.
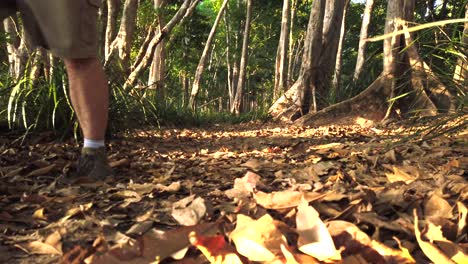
x=363, y=176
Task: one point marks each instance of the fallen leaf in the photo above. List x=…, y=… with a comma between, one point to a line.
x=41, y=171
x=189, y=212
x=437, y=206
x=430, y=250
x=400, y=175
x=258, y=240
x=76, y=210
x=215, y=249
x=51, y=246
x=285, y=199
x=314, y=238
x=243, y=187
x=462, y=218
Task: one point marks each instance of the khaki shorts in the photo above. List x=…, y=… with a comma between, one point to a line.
x=68, y=28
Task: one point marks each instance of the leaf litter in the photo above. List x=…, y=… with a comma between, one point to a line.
x=240, y=194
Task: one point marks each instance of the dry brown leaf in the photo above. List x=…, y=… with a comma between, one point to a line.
x=51, y=246
x=400, y=175
x=189, y=211
x=76, y=210
x=258, y=240
x=437, y=206
x=215, y=249
x=430, y=250
x=285, y=199
x=172, y=188
x=462, y=218
x=450, y=249
x=41, y=171
x=243, y=187
x=314, y=238
x=153, y=246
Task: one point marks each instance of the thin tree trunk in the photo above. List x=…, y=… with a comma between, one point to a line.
x=139, y=66
x=112, y=8
x=237, y=107
x=336, y=83
x=392, y=46
x=123, y=42
x=158, y=66
x=228, y=63
x=201, y=63
x=18, y=48
x=460, y=76
x=281, y=78
x=291, y=42
x=361, y=57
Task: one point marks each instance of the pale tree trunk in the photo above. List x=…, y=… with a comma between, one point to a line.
x=139, y=65
x=296, y=101
x=372, y=103
x=17, y=48
x=281, y=77
x=202, y=62
x=361, y=56
x=392, y=47
x=318, y=63
x=237, y=106
x=460, y=76
x=336, y=83
x=158, y=66
x=123, y=42
x=291, y=42
x=112, y=11
x=231, y=91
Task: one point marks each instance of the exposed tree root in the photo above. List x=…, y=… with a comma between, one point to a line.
x=369, y=104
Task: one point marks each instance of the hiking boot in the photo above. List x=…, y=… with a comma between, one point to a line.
x=93, y=164
x=92, y=167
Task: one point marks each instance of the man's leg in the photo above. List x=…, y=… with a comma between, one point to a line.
x=89, y=95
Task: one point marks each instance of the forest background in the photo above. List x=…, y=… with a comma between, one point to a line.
x=190, y=62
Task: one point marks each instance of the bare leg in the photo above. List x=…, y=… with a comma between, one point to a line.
x=89, y=95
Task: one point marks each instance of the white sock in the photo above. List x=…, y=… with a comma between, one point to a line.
x=91, y=143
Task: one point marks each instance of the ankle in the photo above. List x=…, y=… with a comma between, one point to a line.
x=92, y=143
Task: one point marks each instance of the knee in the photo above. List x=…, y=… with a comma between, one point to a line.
x=74, y=65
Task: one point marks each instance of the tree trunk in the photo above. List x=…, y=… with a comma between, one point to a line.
x=123, y=42
x=140, y=65
x=460, y=76
x=291, y=43
x=296, y=101
x=318, y=63
x=230, y=87
x=17, y=48
x=158, y=66
x=336, y=83
x=361, y=56
x=237, y=107
x=201, y=63
x=372, y=102
x=112, y=11
x=281, y=77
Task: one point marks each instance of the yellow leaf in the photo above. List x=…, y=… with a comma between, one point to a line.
x=39, y=214
x=258, y=240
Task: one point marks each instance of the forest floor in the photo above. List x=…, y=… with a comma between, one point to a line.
x=240, y=193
